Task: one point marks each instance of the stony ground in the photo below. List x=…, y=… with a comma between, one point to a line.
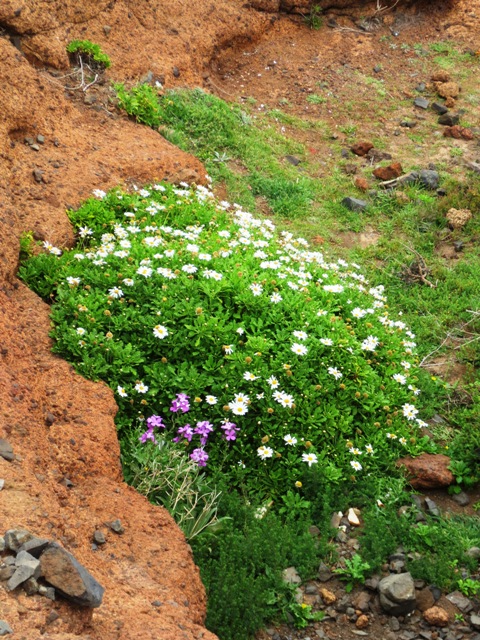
x=64, y=482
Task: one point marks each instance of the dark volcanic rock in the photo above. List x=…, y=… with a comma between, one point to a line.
x=69, y=577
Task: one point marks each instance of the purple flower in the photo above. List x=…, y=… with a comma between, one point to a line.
x=180, y=403
x=200, y=457
x=148, y=435
x=230, y=430
x=155, y=421
x=203, y=429
x=186, y=432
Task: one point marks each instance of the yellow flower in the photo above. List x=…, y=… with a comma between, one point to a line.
x=298, y=484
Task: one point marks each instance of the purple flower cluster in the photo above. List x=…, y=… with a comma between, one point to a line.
x=181, y=403
x=203, y=429
x=230, y=430
x=153, y=422
x=200, y=457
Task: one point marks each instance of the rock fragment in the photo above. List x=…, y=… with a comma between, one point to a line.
x=397, y=594
x=15, y=538
x=5, y=628
x=6, y=451
x=61, y=570
x=361, y=148
x=436, y=617
x=354, y=204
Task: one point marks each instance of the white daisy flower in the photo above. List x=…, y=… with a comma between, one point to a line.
x=256, y=289
x=309, y=458
x=333, y=371
x=141, y=388
x=159, y=331
x=276, y=298
x=409, y=411
x=121, y=391
x=299, y=349
x=300, y=335
x=115, y=292
x=264, y=452
x=211, y=400
x=250, y=376
x=290, y=440
x=81, y=331
x=356, y=465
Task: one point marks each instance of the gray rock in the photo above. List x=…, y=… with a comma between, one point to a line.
x=439, y=108
x=475, y=621
x=2, y=543
x=116, y=526
x=324, y=573
x=24, y=557
x=354, y=204
x=40, y=139
x=474, y=552
x=290, y=576
x=47, y=592
x=421, y=86
x=6, y=572
x=30, y=586
x=62, y=571
x=5, y=628
x=421, y=102
x=397, y=594
x=2, y=483
x=459, y=246
x=6, y=451
x=429, y=179
x=432, y=507
x=461, y=498
x=372, y=583
x=394, y=624
x=38, y=175
x=409, y=124
x=99, y=537
x=35, y=147
x=292, y=160
x=15, y=538
x=26, y=570
x=449, y=119
x=35, y=546
x=459, y=600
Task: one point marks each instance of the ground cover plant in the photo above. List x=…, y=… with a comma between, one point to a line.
x=256, y=355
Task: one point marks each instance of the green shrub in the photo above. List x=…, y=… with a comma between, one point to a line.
x=289, y=361
x=242, y=567
x=92, y=53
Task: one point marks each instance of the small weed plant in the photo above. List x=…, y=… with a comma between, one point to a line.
x=256, y=356
x=354, y=572
x=90, y=52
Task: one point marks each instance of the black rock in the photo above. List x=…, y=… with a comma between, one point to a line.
x=292, y=160
x=421, y=102
x=62, y=571
x=436, y=592
x=449, y=119
x=441, y=192
x=429, y=178
x=441, y=109
x=176, y=72
x=377, y=68
x=6, y=451
x=354, y=204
